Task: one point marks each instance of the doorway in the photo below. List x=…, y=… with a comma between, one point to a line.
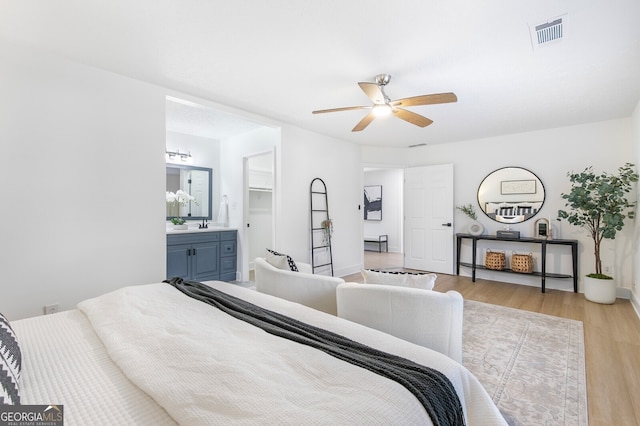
x=417, y=215
x=259, y=217
x=383, y=187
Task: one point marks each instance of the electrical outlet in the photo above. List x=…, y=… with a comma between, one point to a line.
x=51, y=309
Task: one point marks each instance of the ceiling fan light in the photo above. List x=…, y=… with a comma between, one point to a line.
x=381, y=110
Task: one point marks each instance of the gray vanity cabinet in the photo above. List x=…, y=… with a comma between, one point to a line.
x=202, y=256
x=228, y=258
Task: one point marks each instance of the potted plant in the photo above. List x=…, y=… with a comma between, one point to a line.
x=178, y=222
x=598, y=203
x=174, y=201
x=327, y=230
x=475, y=227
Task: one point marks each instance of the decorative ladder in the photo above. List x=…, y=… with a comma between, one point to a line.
x=321, y=228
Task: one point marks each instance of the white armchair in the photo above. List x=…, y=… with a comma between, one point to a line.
x=315, y=291
x=427, y=318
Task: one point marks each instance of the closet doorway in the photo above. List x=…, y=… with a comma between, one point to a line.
x=259, y=189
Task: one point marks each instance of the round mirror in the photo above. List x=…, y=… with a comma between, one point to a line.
x=511, y=195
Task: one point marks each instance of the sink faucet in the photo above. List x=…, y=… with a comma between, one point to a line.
x=203, y=225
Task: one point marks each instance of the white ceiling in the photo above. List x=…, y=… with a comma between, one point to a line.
x=284, y=58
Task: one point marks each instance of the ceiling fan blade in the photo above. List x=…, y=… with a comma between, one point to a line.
x=411, y=117
x=437, y=98
x=364, y=122
x=322, y=111
x=374, y=92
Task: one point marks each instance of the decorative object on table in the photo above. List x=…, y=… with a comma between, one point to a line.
x=327, y=230
x=522, y=262
x=373, y=202
x=174, y=202
x=598, y=203
x=475, y=227
x=223, y=212
x=495, y=260
x=508, y=233
x=541, y=228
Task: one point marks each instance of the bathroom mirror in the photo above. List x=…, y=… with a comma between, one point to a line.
x=195, y=181
x=511, y=195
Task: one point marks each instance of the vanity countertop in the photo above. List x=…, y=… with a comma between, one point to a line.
x=195, y=230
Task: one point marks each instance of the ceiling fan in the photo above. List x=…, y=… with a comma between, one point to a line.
x=382, y=105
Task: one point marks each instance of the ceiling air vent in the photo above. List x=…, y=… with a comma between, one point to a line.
x=546, y=33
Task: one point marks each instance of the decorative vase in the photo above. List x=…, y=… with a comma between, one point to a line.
x=600, y=291
x=182, y=227
x=475, y=228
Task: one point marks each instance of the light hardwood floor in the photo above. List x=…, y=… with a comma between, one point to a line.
x=611, y=334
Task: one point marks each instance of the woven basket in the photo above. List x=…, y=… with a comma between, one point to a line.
x=495, y=260
x=522, y=263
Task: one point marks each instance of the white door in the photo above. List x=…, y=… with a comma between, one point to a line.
x=428, y=221
x=200, y=190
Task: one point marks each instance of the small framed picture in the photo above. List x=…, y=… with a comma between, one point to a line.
x=541, y=228
x=373, y=202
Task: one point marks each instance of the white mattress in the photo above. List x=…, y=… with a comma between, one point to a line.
x=65, y=363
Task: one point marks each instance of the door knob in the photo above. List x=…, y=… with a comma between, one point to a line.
x=447, y=224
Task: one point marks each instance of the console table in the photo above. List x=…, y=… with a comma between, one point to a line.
x=544, y=243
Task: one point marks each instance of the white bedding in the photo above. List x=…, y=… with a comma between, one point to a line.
x=203, y=367
x=64, y=362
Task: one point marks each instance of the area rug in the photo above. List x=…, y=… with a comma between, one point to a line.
x=532, y=365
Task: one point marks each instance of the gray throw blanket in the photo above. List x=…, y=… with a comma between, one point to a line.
x=432, y=388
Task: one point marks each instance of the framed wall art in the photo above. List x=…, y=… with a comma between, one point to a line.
x=373, y=202
x=518, y=187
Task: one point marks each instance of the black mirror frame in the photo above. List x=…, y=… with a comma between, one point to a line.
x=527, y=217
x=210, y=204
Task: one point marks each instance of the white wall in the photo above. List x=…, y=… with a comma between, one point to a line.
x=309, y=155
x=550, y=154
x=391, y=223
x=83, y=174
x=635, y=294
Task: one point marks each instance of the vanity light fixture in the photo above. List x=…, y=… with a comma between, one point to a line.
x=174, y=156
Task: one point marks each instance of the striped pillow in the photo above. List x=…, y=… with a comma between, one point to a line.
x=281, y=261
x=10, y=364
x=424, y=281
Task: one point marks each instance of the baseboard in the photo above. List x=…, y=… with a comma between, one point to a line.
x=349, y=270
x=635, y=302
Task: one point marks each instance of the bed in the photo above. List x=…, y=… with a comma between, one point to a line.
x=150, y=354
x=512, y=212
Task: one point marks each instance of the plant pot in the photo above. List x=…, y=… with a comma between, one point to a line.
x=475, y=228
x=600, y=291
x=182, y=227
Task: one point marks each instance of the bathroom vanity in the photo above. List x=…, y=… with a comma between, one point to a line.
x=202, y=254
